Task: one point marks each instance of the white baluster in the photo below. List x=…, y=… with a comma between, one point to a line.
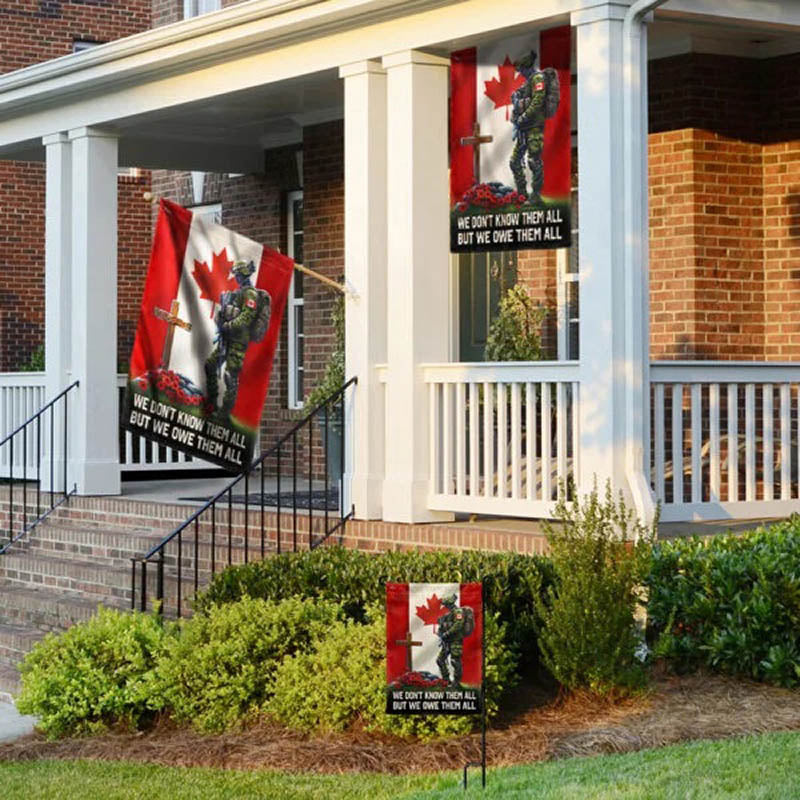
x=677, y=443
x=733, y=443
x=502, y=439
x=786, y=435
x=530, y=441
x=461, y=434
x=561, y=434
x=714, y=457
x=658, y=435
x=516, y=440
x=750, y=441
x=488, y=438
x=697, y=443
x=474, y=440
x=547, y=475
x=768, y=452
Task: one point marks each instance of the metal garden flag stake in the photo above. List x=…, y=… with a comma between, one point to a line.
x=208, y=328
x=510, y=144
x=435, y=650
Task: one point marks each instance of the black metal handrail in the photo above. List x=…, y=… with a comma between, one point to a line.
x=42, y=511
x=207, y=514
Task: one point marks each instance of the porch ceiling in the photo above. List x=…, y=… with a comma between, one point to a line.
x=213, y=92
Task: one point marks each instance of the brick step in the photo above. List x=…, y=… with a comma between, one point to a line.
x=43, y=609
x=15, y=642
x=9, y=680
x=96, y=583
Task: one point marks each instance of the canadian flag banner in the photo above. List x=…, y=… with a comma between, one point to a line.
x=434, y=648
x=510, y=144
x=205, y=342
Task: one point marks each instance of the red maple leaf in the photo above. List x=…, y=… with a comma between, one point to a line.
x=500, y=91
x=213, y=282
x=432, y=611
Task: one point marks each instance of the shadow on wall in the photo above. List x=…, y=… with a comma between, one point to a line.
x=793, y=202
x=19, y=337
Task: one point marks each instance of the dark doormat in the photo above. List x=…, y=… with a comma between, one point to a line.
x=319, y=499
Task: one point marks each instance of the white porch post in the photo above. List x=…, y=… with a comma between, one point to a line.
x=57, y=294
x=602, y=245
x=93, y=441
x=418, y=272
x=365, y=270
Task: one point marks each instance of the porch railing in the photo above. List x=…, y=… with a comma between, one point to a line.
x=724, y=439
x=36, y=452
x=23, y=393
x=233, y=526
x=502, y=436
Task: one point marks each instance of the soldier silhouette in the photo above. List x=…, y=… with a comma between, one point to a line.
x=454, y=627
x=242, y=318
x=532, y=104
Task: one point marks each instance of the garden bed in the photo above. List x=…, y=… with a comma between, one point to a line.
x=676, y=709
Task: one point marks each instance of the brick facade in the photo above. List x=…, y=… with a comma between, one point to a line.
x=30, y=33
x=724, y=189
x=724, y=182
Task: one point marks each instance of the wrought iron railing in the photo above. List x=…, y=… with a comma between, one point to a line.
x=23, y=448
x=229, y=528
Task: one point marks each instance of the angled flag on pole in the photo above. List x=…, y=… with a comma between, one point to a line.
x=208, y=327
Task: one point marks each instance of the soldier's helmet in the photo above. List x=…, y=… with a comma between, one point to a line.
x=527, y=64
x=449, y=600
x=242, y=270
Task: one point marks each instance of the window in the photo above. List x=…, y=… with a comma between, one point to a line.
x=294, y=238
x=81, y=46
x=210, y=212
x=195, y=8
x=569, y=292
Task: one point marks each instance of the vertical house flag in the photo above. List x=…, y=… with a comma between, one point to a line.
x=510, y=144
x=434, y=648
x=208, y=328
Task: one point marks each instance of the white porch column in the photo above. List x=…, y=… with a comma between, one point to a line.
x=602, y=245
x=418, y=271
x=57, y=295
x=94, y=437
x=365, y=270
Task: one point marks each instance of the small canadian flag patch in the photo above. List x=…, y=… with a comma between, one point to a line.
x=540, y=86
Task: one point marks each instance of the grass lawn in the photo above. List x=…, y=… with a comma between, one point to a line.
x=764, y=766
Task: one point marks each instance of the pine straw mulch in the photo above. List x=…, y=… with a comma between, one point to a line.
x=676, y=709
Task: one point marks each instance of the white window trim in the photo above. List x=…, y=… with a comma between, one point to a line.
x=565, y=277
x=212, y=212
x=293, y=303
x=192, y=8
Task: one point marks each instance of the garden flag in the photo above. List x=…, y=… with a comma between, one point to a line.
x=434, y=648
x=510, y=144
x=208, y=327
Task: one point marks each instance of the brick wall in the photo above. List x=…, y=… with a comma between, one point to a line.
x=31, y=33
x=706, y=247
x=724, y=188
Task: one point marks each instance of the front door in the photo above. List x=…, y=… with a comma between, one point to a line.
x=483, y=278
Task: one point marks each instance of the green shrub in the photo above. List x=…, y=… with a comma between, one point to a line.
x=95, y=674
x=341, y=683
x=515, y=334
x=730, y=603
x=355, y=580
x=220, y=670
x=589, y=634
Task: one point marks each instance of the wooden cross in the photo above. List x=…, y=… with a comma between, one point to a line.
x=408, y=643
x=476, y=140
x=172, y=320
